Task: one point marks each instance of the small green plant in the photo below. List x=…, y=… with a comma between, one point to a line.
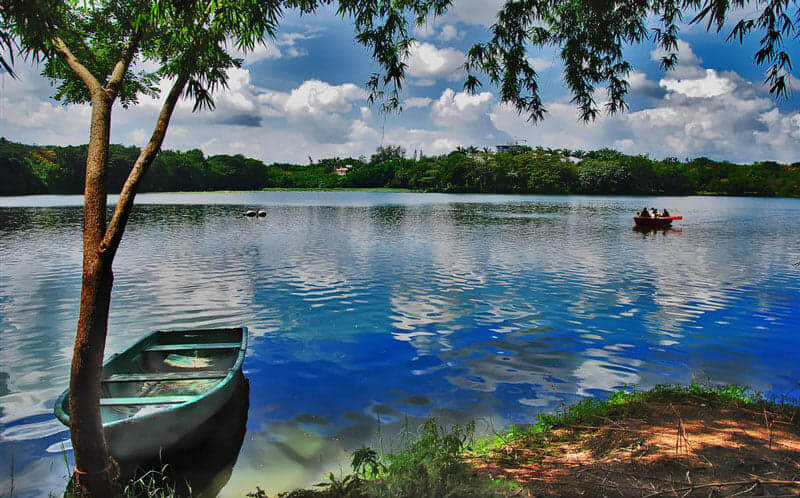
x=432, y=465
x=155, y=483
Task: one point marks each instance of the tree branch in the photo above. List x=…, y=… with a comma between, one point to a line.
x=83, y=73
x=121, y=67
x=146, y=156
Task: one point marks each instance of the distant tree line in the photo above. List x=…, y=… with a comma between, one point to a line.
x=29, y=169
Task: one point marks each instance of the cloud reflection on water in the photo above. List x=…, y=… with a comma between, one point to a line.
x=363, y=310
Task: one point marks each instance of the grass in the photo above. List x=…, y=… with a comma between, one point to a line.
x=624, y=403
x=436, y=462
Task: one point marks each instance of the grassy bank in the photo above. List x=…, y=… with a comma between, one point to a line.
x=667, y=441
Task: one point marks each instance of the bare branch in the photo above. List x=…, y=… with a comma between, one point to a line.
x=121, y=67
x=77, y=67
x=146, y=157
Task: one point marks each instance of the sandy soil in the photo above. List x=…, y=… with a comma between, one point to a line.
x=691, y=448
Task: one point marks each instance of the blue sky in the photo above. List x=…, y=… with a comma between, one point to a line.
x=302, y=96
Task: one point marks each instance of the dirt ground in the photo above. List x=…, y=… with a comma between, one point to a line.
x=681, y=449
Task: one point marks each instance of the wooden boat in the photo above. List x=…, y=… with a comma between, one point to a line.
x=661, y=221
x=164, y=386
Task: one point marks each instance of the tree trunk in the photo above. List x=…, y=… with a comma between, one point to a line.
x=95, y=472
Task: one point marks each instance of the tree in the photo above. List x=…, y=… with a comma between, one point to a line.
x=591, y=35
x=386, y=153
x=90, y=50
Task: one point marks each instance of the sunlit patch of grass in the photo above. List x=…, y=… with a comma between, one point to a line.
x=620, y=404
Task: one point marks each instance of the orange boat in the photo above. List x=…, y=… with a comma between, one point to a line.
x=661, y=221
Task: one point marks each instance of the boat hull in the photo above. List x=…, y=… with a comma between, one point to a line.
x=171, y=430
x=653, y=222
x=139, y=426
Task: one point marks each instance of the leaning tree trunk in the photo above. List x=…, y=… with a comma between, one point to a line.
x=95, y=472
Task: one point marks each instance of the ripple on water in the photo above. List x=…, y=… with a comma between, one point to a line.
x=364, y=308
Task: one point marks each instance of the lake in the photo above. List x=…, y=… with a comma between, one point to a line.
x=369, y=312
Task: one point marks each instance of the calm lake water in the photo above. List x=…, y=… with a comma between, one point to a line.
x=366, y=309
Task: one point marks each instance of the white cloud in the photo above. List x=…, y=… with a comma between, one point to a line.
x=423, y=82
x=271, y=49
x=28, y=114
x=427, y=62
x=450, y=32
x=318, y=107
x=477, y=12
x=561, y=127
x=710, y=85
x=315, y=96
x=426, y=29
x=688, y=62
x=360, y=131
x=460, y=109
x=540, y=64
x=431, y=142
x=262, y=51
x=640, y=84
x=692, y=112
x=138, y=136
x=741, y=126
x=782, y=133
x=366, y=113
x=417, y=102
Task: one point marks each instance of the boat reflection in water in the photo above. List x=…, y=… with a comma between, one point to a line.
x=201, y=463
x=653, y=230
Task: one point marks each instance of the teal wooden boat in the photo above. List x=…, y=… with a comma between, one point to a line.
x=164, y=386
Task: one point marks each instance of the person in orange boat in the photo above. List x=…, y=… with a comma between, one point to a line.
x=654, y=213
x=644, y=213
x=665, y=213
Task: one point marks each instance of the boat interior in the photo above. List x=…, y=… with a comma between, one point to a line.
x=167, y=368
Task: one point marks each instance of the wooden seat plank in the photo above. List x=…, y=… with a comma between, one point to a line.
x=151, y=400
x=192, y=347
x=145, y=377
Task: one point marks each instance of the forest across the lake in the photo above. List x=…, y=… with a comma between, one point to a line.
x=33, y=169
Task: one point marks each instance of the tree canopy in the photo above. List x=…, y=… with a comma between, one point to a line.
x=32, y=169
x=194, y=37
x=591, y=37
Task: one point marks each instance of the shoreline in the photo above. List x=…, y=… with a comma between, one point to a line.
x=393, y=190
x=666, y=441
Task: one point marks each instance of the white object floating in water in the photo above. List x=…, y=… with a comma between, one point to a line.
x=250, y=213
x=262, y=213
